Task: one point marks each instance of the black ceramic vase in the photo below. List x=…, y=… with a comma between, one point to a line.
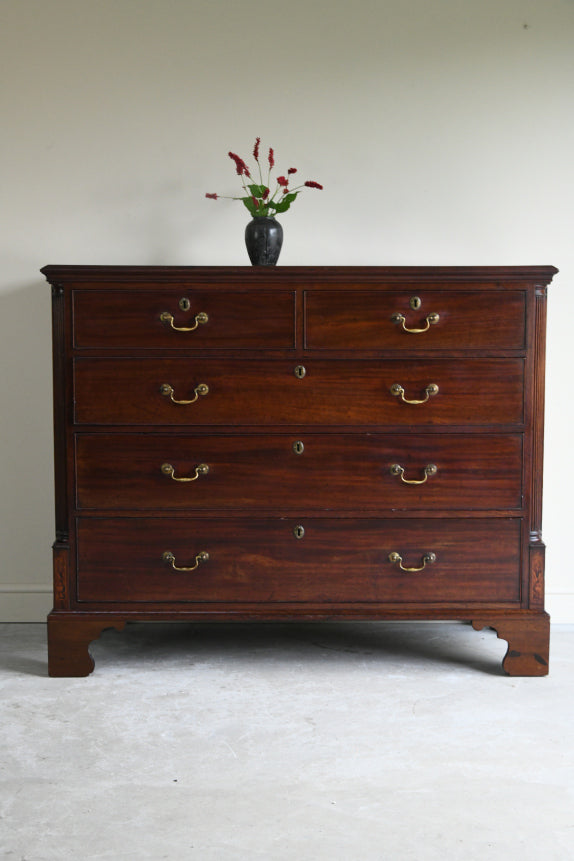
x=263, y=238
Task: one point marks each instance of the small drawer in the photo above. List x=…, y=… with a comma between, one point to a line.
x=414, y=318
x=279, y=472
x=272, y=561
x=187, y=319
x=405, y=392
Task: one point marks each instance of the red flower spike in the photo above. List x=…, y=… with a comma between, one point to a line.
x=212, y=196
x=256, y=149
x=265, y=194
x=240, y=165
x=282, y=180
x=255, y=202
x=311, y=184
x=292, y=170
x=271, y=158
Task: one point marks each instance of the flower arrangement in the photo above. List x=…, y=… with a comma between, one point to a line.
x=258, y=198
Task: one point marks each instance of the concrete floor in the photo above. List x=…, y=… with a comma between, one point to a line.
x=343, y=742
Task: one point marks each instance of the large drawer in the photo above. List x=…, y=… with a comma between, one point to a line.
x=336, y=561
x=315, y=471
x=267, y=393
x=117, y=318
x=338, y=320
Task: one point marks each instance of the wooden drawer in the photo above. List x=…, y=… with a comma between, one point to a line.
x=267, y=393
x=263, y=471
x=119, y=318
x=338, y=320
x=336, y=561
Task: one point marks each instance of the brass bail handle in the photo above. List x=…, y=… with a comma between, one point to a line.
x=397, y=469
x=397, y=559
x=399, y=318
x=201, y=469
x=168, y=391
x=430, y=391
x=200, y=320
x=199, y=559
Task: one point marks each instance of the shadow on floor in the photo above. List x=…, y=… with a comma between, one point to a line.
x=386, y=643
x=392, y=645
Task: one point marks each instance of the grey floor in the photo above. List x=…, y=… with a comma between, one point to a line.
x=346, y=742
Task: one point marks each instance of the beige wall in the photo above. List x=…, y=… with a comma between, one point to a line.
x=443, y=131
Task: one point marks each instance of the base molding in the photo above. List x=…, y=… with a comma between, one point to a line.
x=527, y=633
x=33, y=603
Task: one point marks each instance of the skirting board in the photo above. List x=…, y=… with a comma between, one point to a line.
x=31, y=603
x=24, y=603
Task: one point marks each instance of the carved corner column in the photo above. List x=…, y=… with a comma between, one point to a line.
x=61, y=547
x=536, y=545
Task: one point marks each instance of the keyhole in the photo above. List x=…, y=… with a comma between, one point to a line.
x=298, y=447
x=184, y=304
x=299, y=531
x=300, y=371
x=415, y=302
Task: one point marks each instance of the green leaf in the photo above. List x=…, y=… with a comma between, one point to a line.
x=250, y=205
x=283, y=205
x=257, y=190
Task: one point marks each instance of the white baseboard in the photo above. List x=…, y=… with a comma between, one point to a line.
x=30, y=603
x=560, y=605
x=24, y=603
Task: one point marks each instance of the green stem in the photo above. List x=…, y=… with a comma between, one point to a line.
x=260, y=173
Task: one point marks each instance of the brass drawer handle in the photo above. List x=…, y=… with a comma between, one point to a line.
x=430, y=321
x=201, y=469
x=427, y=559
x=200, y=319
x=169, y=392
x=169, y=557
x=397, y=390
x=397, y=469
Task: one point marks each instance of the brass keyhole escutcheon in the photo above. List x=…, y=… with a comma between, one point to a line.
x=415, y=302
x=184, y=304
x=298, y=446
x=300, y=371
x=298, y=531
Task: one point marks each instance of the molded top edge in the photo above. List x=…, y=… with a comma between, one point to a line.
x=539, y=274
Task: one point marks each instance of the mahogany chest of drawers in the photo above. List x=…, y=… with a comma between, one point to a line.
x=298, y=443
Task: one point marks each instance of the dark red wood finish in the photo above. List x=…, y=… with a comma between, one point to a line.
x=259, y=561
x=267, y=392
x=234, y=319
x=278, y=471
x=469, y=321
x=289, y=448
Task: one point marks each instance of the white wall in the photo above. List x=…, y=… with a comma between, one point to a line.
x=443, y=131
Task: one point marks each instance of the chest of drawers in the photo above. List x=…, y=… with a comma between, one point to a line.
x=298, y=443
